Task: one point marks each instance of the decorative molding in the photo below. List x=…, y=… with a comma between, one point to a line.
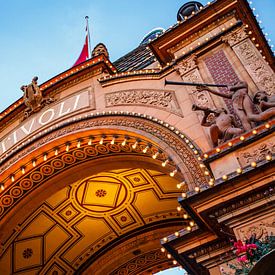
x=186, y=65
x=208, y=31
x=236, y=36
x=256, y=66
x=38, y=175
x=244, y=201
x=142, y=263
x=256, y=153
x=200, y=98
x=162, y=99
x=67, y=215
x=209, y=248
x=52, y=93
x=260, y=229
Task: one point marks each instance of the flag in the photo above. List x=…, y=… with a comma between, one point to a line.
x=85, y=53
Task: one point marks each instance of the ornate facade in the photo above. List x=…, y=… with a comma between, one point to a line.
x=117, y=174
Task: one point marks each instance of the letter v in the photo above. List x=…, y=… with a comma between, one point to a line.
x=27, y=131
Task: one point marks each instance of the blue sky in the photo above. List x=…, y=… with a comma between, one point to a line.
x=44, y=38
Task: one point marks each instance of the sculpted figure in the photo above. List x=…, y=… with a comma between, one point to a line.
x=222, y=127
x=33, y=98
x=242, y=104
x=266, y=105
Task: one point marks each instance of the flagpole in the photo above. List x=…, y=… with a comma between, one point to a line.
x=89, y=44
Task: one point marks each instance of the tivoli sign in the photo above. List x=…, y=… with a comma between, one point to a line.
x=44, y=117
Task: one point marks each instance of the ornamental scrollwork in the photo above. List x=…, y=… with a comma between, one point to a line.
x=259, y=70
x=257, y=154
x=153, y=98
x=235, y=37
x=186, y=65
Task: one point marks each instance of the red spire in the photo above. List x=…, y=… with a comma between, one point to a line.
x=85, y=53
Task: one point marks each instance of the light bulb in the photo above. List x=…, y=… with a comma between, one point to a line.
x=78, y=144
x=124, y=142
x=172, y=174
x=145, y=149
x=90, y=141
x=113, y=141
x=165, y=163
x=155, y=155
x=134, y=146
x=239, y=170
x=45, y=157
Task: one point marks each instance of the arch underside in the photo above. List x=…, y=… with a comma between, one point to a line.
x=92, y=207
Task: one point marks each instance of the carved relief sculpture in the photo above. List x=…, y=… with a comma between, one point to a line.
x=33, y=98
x=266, y=104
x=252, y=60
x=242, y=104
x=189, y=72
x=158, y=98
x=100, y=49
x=236, y=36
x=256, y=153
x=222, y=125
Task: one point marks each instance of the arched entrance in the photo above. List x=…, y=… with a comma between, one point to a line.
x=94, y=196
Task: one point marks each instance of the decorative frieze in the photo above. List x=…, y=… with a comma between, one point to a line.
x=256, y=66
x=186, y=65
x=162, y=99
x=260, y=229
x=256, y=153
x=236, y=36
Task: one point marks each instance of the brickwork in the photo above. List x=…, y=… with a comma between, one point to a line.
x=222, y=73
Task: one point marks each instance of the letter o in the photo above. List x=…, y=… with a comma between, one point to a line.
x=49, y=119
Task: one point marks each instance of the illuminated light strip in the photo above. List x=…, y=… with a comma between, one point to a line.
x=44, y=155
x=55, y=80
x=253, y=165
x=59, y=150
x=260, y=22
x=260, y=129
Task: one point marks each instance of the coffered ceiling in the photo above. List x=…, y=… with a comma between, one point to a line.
x=113, y=218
